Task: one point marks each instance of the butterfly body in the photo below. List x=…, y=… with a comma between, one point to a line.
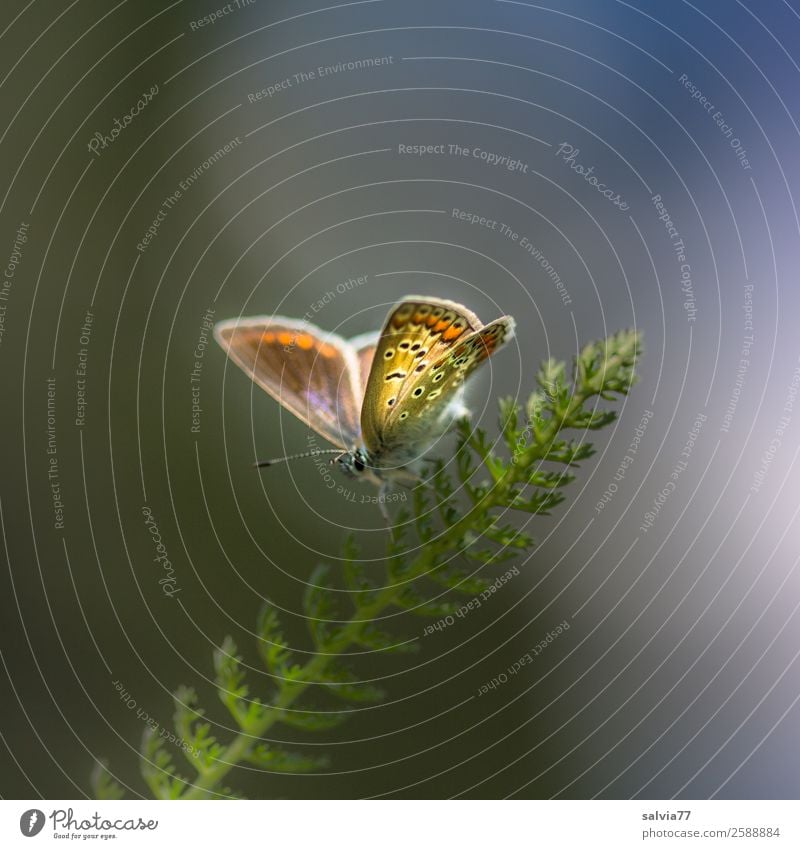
x=382, y=399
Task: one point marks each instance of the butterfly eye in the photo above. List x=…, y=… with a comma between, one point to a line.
x=358, y=465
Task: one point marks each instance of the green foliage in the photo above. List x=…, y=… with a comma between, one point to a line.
x=103, y=785
x=446, y=549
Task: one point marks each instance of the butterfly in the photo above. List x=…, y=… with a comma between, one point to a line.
x=383, y=398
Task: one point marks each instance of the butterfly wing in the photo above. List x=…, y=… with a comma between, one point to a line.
x=315, y=375
x=426, y=351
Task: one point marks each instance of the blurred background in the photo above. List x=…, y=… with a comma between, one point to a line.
x=169, y=166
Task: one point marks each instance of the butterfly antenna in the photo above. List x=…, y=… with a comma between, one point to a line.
x=264, y=463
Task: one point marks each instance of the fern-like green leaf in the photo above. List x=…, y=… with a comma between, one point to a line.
x=319, y=604
x=409, y=599
x=468, y=511
x=275, y=759
x=272, y=645
x=103, y=785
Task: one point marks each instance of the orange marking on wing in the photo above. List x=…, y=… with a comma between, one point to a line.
x=418, y=318
x=443, y=324
x=268, y=338
x=305, y=341
x=430, y=320
x=451, y=333
x=327, y=351
x=285, y=338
